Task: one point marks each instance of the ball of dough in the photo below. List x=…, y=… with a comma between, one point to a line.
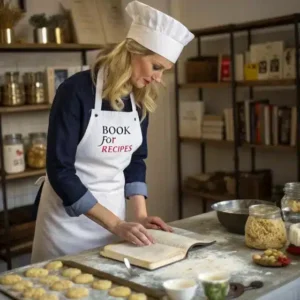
x=10, y=279
x=120, y=291
x=33, y=293
x=83, y=278
x=101, y=284
x=36, y=272
x=49, y=297
x=54, y=265
x=71, y=272
x=77, y=292
x=22, y=285
x=61, y=285
x=137, y=297
x=49, y=280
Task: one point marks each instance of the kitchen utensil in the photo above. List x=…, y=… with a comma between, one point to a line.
x=237, y=289
x=180, y=289
x=233, y=214
x=128, y=267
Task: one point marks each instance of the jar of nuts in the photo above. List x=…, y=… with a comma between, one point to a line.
x=290, y=203
x=36, y=152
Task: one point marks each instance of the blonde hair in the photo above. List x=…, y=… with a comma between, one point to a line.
x=116, y=61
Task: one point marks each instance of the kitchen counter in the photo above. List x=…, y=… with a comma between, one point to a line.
x=228, y=253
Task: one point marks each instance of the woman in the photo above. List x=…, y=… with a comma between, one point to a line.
x=97, y=142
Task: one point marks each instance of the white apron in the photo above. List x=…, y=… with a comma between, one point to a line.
x=102, y=155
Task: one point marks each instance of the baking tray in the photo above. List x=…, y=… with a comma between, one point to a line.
x=93, y=294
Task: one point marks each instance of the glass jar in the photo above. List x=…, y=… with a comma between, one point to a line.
x=13, y=152
x=290, y=203
x=36, y=153
x=265, y=228
x=13, y=93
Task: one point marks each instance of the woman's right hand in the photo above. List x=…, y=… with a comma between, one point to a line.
x=134, y=233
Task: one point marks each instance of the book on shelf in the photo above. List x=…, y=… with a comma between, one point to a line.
x=190, y=118
x=213, y=127
x=263, y=123
x=168, y=248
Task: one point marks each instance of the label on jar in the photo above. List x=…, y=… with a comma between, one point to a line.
x=14, y=158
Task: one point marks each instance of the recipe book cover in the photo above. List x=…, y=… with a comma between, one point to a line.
x=167, y=249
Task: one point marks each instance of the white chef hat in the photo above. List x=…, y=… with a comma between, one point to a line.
x=157, y=31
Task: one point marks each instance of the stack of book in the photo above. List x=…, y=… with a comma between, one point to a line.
x=213, y=127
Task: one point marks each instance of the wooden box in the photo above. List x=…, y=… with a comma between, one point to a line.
x=202, y=69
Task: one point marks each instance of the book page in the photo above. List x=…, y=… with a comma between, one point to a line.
x=176, y=240
x=150, y=256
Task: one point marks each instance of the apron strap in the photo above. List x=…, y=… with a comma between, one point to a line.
x=99, y=88
x=133, y=105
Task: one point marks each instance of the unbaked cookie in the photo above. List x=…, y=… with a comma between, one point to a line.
x=61, y=285
x=22, y=285
x=77, y=292
x=49, y=297
x=120, y=291
x=83, y=278
x=36, y=272
x=10, y=279
x=101, y=284
x=137, y=297
x=49, y=280
x=71, y=272
x=33, y=293
x=54, y=265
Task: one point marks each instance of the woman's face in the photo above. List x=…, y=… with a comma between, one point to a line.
x=148, y=68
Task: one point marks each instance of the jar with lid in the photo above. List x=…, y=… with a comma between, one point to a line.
x=290, y=203
x=36, y=153
x=13, y=93
x=34, y=87
x=13, y=152
x=265, y=228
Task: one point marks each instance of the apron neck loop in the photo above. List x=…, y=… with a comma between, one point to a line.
x=99, y=90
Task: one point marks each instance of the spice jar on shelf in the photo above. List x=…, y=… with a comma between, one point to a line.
x=290, y=203
x=13, y=153
x=265, y=228
x=36, y=153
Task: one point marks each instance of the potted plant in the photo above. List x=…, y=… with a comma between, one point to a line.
x=58, y=24
x=9, y=17
x=40, y=24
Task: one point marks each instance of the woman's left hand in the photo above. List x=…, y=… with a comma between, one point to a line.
x=155, y=223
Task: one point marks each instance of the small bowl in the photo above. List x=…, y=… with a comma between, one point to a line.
x=180, y=289
x=215, y=282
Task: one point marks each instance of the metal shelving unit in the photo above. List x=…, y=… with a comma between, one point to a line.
x=15, y=236
x=230, y=30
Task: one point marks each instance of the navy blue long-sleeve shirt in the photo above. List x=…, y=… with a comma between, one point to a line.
x=69, y=118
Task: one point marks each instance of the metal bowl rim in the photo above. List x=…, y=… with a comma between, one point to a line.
x=217, y=206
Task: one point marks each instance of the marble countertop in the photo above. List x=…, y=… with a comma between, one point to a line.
x=228, y=253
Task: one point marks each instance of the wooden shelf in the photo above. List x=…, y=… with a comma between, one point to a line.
x=270, y=147
x=24, y=108
x=200, y=85
x=28, y=173
x=206, y=195
x=273, y=82
x=23, y=247
x=256, y=24
x=230, y=143
x=206, y=141
x=19, y=232
x=248, y=83
x=31, y=47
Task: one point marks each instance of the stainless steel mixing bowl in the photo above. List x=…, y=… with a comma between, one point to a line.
x=233, y=214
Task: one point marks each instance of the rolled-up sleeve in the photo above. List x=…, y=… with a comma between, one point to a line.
x=135, y=173
x=63, y=138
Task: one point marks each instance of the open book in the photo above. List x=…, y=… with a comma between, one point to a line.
x=167, y=249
